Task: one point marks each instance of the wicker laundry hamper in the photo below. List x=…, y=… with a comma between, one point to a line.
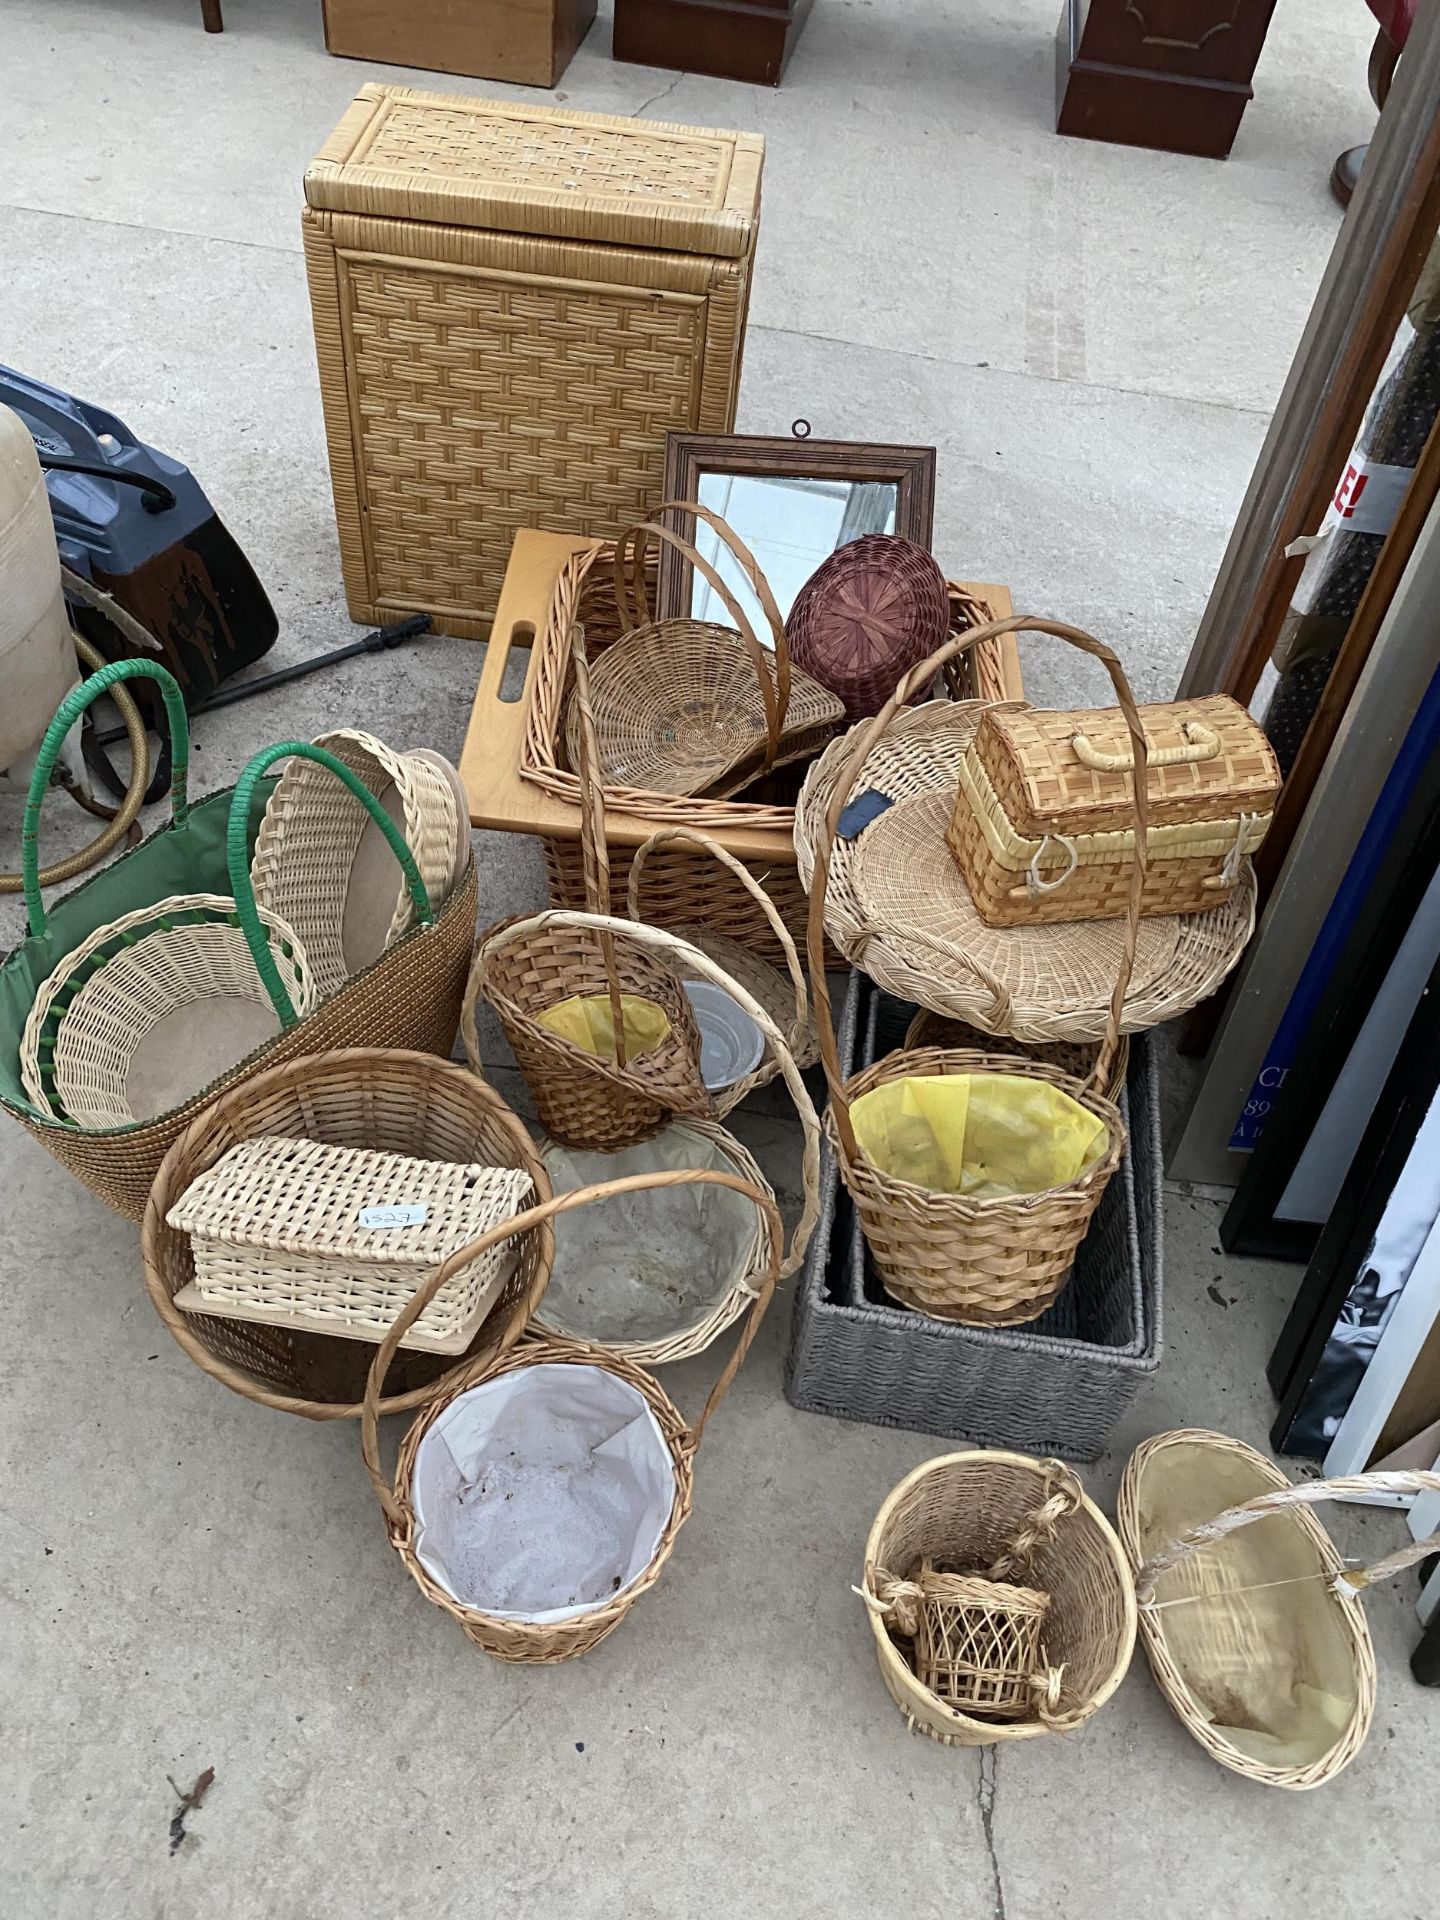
x=688, y=706
x=526, y=969
x=394, y=1102
x=573, y=1628
x=321, y=862
x=875, y=608
x=999, y=1598
x=409, y=998
x=103, y=1030
x=1255, y=1633
x=986, y=1261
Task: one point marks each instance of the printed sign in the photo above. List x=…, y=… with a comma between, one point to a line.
x=1368, y=496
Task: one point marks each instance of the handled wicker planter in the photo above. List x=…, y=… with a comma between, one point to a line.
x=1022, y=1669
x=985, y=1262
x=550, y=1641
x=409, y=998
x=688, y=706
x=1258, y=1641
x=395, y=1102
x=527, y=968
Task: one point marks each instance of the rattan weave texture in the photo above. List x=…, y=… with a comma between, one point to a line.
x=873, y=609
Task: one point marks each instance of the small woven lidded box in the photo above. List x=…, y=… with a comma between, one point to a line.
x=1042, y=825
x=513, y=304
x=337, y=1239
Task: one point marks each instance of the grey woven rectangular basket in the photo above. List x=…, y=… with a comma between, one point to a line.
x=1058, y=1386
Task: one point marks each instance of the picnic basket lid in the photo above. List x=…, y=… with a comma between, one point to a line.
x=511, y=167
x=1068, y=771
x=286, y=1195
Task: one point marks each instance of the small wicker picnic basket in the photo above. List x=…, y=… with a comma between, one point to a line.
x=985, y=1260
x=999, y=1598
x=664, y=1448
x=1250, y=1617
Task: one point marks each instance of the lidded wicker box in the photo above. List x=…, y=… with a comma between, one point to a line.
x=337, y=1239
x=513, y=304
x=1043, y=822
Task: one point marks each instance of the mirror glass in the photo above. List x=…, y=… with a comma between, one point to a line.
x=790, y=523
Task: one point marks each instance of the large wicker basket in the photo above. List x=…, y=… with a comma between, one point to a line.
x=968, y=1511
x=405, y=1103
x=547, y=1642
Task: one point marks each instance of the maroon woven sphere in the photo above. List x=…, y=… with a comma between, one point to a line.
x=866, y=616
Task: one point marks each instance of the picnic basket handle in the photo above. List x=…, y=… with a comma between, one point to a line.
x=237, y=857
x=775, y=695
x=672, y=946
x=705, y=843
x=865, y=736
x=68, y=712
x=1307, y=1493
x=537, y=1216
x=1203, y=743
x=594, y=853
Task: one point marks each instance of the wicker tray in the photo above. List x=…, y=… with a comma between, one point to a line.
x=1058, y=1386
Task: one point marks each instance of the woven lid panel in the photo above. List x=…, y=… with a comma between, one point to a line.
x=306, y=1196
x=1045, y=787
x=530, y=169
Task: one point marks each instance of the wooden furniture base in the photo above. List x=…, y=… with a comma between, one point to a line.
x=529, y=45
x=727, y=39
x=1171, y=74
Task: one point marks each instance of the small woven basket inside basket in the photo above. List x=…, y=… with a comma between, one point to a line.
x=973, y=1657
x=875, y=608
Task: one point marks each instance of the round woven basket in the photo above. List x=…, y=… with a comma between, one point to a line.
x=546, y=1642
x=410, y=1103
x=689, y=706
x=109, y=998
x=980, y=1261
x=525, y=968
x=313, y=861
x=1257, y=1639
x=975, y=1513
x=874, y=609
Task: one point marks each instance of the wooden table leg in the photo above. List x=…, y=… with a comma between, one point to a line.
x=210, y=14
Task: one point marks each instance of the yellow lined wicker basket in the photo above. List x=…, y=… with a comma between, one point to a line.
x=976, y=1659
x=978, y=1260
x=1255, y=1632
x=1041, y=822
x=689, y=706
x=669, y=1443
x=304, y=1233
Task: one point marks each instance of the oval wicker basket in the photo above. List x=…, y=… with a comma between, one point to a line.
x=983, y=1262
x=874, y=609
x=1257, y=1640
x=971, y=1511
x=547, y=1642
x=410, y=1103
x=689, y=706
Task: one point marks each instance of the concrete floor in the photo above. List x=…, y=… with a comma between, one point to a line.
x=1092, y=338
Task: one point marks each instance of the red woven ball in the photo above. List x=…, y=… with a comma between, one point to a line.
x=866, y=616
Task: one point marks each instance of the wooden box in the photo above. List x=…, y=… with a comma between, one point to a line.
x=730, y=39
x=513, y=305
x=530, y=42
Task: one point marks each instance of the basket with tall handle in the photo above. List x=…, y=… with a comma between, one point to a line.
x=985, y=1260
x=496, y=1424
x=1250, y=1617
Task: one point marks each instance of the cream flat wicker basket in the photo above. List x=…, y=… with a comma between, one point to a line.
x=336, y=1239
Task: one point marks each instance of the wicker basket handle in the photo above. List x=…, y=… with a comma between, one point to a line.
x=864, y=737
x=671, y=946
x=1203, y=744
x=68, y=712
x=594, y=853
x=237, y=856
x=1308, y=1493
x=692, y=836
x=755, y=574
x=521, y=1223
x=775, y=695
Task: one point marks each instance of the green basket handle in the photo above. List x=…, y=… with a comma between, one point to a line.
x=237, y=856
x=69, y=711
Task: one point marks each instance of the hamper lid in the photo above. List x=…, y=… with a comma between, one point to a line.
x=308, y=1197
x=517, y=168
